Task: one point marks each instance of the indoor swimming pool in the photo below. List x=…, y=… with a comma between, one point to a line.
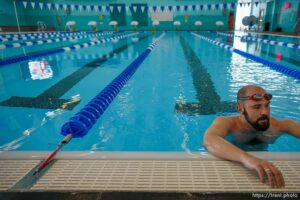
x=166, y=106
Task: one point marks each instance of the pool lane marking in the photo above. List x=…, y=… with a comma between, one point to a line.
x=20, y=37
x=80, y=124
x=40, y=34
x=45, y=35
x=273, y=65
x=287, y=59
x=266, y=41
x=64, y=49
x=50, y=98
x=208, y=100
x=48, y=41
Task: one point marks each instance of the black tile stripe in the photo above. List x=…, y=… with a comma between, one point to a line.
x=49, y=99
x=208, y=100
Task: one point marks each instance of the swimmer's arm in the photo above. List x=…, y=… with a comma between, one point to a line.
x=214, y=141
x=290, y=127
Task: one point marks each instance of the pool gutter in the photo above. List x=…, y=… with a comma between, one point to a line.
x=88, y=171
x=124, y=155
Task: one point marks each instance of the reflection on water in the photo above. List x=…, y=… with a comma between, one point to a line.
x=40, y=70
x=27, y=132
x=14, y=144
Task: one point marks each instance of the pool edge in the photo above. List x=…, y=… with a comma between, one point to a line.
x=125, y=155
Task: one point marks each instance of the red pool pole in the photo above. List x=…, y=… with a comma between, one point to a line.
x=59, y=146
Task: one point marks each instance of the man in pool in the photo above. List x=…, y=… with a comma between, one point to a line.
x=253, y=123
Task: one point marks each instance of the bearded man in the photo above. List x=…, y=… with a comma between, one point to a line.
x=253, y=124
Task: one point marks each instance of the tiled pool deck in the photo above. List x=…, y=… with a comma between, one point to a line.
x=123, y=175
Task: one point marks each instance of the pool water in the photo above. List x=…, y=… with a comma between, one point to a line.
x=146, y=115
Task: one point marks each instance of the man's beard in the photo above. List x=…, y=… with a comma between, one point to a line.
x=256, y=125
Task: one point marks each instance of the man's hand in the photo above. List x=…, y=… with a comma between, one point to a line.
x=265, y=170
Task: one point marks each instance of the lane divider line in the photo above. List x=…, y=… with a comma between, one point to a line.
x=64, y=49
x=48, y=41
x=26, y=38
x=276, y=66
x=266, y=41
x=52, y=34
x=80, y=124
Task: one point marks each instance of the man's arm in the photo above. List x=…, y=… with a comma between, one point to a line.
x=214, y=140
x=290, y=127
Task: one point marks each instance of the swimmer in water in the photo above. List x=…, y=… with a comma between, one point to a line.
x=253, y=123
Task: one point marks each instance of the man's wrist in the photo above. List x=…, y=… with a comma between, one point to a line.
x=245, y=158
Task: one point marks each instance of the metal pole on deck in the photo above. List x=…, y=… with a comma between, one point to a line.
x=18, y=24
x=15, y=7
x=48, y=160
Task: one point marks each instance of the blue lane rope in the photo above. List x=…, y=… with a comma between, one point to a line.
x=26, y=38
x=82, y=122
x=42, y=34
x=266, y=41
x=65, y=49
x=49, y=34
x=48, y=41
x=37, y=35
x=84, y=56
x=276, y=66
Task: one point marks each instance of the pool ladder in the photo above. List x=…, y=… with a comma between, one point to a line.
x=41, y=26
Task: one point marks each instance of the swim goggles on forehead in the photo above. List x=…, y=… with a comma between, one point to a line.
x=257, y=97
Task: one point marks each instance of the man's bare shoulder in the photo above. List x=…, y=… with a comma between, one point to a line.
x=226, y=119
x=281, y=125
x=227, y=122
x=221, y=126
